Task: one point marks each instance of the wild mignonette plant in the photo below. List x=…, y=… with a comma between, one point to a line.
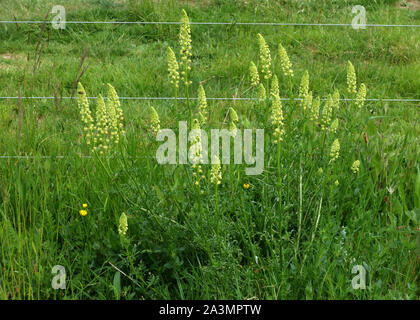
x=104, y=132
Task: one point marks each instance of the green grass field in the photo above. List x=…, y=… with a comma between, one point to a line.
x=293, y=232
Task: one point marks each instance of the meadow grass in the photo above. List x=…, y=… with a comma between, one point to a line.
x=293, y=234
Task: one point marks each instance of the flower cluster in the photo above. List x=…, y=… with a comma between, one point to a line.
x=261, y=93
x=85, y=113
x=154, y=126
x=361, y=96
x=101, y=140
x=173, y=68
x=351, y=78
x=265, y=57
x=123, y=225
x=233, y=119
x=304, y=87
x=355, y=166
x=115, y=114
x=307, y=101
x=335, y=150
x=314, y=114
x=326, y=113
x=196, y=155
x=285, y=64
x=334, y=126
x=108, y=124
x=253, y=71
x=185, y=43
x=277, y=119
x=215, y=172
x=202, y=103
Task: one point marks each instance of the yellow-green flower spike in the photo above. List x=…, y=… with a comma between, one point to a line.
x=115, y=114
x=314, y=115
x=233, y=116
x=215, y=172
x=285, y=64
x=253, y=71
x=261, y=93
x=361, y=96
x=202, y=101
x=355, y=166
x=102, y=126
x=334, y=126
x=335, y=150
x=265, y=57
x=351, y=78
x=307, y=102
x=304, y=87
x=277, y=119
x=154, y=121
x=85, y=113
x=326, y=113
x=185, y=44
x=197, y=157
x=202, y=118
x=173, y=68
x=123, y=225
x=275, y=91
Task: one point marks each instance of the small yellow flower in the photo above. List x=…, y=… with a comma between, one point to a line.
x=83, y=212
x=84, y=205
x=336, y=183
x=246, y=186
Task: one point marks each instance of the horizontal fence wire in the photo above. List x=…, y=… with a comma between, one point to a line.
x=274, y=24
x=279, y=24
x=210, y=98
x=60, y=157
